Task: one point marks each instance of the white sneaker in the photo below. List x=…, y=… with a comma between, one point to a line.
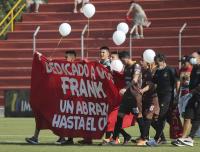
x=186, y=141
x=177, y=143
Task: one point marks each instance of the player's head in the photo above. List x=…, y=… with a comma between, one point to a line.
x=114, y=55
x=159, y=59
x=70, y=55
x=124, y=57
x=104, y=53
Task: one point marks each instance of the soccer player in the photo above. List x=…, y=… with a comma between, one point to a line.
x=105, y=61
x=150, y=105
x=70, y=56
x=166, y=81
x=105, y=57
x=131, y=96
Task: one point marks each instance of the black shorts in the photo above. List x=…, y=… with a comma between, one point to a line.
x=128, y=103
x=150, y=106
x=192, y=110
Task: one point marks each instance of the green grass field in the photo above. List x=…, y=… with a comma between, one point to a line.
x=14, y=130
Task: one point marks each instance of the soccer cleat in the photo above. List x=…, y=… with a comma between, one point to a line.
x=32, y=140
x=152, y=142
x=106, y=141
x=62, y=141
x=115, y=142
x=162, y=141
x=177, y=143
x=186, y=141
x=141, y=142
x=135, y=140
x=126, y=140
x=85, y=142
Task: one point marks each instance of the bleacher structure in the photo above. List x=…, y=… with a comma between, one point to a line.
x=167, y=17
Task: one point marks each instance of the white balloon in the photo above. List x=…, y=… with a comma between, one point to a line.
x=89, y=10
x=116, y=65
x=123, y=27
x=149, y=55
x=65, y=29
x=119, y=37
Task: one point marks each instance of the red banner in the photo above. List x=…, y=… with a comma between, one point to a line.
x=72, y=99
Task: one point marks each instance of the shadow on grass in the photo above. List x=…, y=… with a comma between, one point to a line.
x=76, y=144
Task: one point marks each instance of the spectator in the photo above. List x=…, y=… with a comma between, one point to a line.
x=37, y=3
x=76, y=2
x=192, y=110
x=139, y=19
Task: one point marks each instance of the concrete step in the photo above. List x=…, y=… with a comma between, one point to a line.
x=97, y=42
x=112, y=5
x=110, y=23
x=19, y=54
x=15, y=71
x=100, y=33
x=157, y=13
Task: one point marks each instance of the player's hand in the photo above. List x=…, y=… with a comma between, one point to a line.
x=122, y=91
x=128, y=19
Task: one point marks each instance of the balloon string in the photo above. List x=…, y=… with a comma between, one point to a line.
x=54, y=50
x=88, y=27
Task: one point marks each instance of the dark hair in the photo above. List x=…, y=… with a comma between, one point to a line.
x=124, y=54
x=185, y=59
x=105, y=48
x=198, y=52
x=71, y=52
x=132, y=2
x=159, y=57
x=114, y=52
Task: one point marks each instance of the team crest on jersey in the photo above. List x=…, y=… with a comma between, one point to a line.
x=165, y=74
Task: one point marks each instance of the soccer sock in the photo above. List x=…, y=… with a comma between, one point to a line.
x=118, y=126
x=162, y=136
x=108, y=134
x=124, y=133
x=147, y=124
x=195, y=127
x=141, y=125
x=159, y=129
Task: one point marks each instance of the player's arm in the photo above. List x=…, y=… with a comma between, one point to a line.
x=130, y=10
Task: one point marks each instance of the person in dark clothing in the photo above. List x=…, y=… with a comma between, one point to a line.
x=192, y=110
x=132, y=98
x=166, y=80
x=150, y=105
